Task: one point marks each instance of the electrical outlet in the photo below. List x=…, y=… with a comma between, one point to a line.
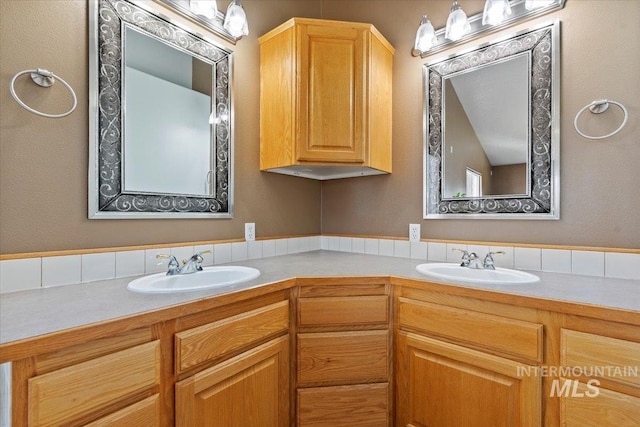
x=249, y=231
x=414, y=232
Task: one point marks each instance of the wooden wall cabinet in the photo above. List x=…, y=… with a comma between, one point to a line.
x=343, y=355
x=325, y=99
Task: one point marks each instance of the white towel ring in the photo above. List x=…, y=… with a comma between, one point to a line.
x=43, y=78
x=597, y=107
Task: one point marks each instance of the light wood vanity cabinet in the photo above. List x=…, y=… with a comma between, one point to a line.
x=109, y=381
x=247, y=381
x=600, y=385
x=325, y=99
x=459, y=365
x=343, y=350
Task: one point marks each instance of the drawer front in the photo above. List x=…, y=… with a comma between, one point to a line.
x=500, y=334
x=605, y=354
x=365, y=405
x=61, y=396
x=343, y=358
x=216, y=339
x=144, y=413
x=340, y=311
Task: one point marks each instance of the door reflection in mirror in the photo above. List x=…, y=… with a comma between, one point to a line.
x=167, y=131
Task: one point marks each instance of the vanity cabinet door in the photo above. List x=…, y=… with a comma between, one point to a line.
x=249, y=390
x=440, y=384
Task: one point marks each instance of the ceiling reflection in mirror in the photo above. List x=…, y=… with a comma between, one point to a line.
x=492, y=130
x=162, y=140
x=487, y=118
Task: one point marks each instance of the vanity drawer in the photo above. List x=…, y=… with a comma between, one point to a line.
x=585, y=350
x=61, y=397
x=342, y=311
x=495, y=333
x=197, y=345
x=365, y=405
x=343, y=358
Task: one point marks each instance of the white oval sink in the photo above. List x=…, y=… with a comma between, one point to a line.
x=499, y=276
x=209, y=277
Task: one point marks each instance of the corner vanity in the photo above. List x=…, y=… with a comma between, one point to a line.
x=328, y=338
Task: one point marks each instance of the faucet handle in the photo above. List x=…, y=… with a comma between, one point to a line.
x=488, y=263
x=173, y=265
x=465, y=257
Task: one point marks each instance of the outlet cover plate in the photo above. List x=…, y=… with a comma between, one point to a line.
x=414, y=232
x=249, y=231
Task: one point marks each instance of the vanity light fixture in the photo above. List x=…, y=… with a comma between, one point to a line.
x=457, y=23
x=235, y=21
x=206, y=8
x=497, y=14
x=425, y=36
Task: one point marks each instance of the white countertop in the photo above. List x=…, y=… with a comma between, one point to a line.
x=32, y=313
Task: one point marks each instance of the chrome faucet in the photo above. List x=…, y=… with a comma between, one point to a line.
x=189, y=266
x=488, y=263
x=471, y=260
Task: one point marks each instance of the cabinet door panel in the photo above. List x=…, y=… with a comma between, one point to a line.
x=332, y=89
x=441, y=385
x=249, y=390
x=607, y=409
x=144, y=413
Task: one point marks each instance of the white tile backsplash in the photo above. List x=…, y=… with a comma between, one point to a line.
x=357, y=245
x=437, y=251
x=61, y=270
x=100, y=266
x=527, y=258
x=385, y=247
x=401, y=249
x=419, y=250
x=20, y=274
x=371, y=246
x=556, y=260
x=254, y=249
x=129, y=263
x=282, y=247
x=268, y=248
x=345, y=244
x=239, y=251
x=33, y=273
x=587, y=263
x=622, y=266
x=222, y=253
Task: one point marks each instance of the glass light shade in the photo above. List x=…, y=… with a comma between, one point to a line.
x=457, y=23
x=206, y=8
x=495, y=11
x=425, y=36
x=537, y=4
x=235, y=21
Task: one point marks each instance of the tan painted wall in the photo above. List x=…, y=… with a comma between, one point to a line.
x=600, y=195
x=463, y=149
x=43, y=162
x=509, y=179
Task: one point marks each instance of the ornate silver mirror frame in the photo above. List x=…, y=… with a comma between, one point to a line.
x=542, y=200
x=108, y=199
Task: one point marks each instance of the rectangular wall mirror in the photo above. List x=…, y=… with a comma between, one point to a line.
x=160, y=118
x=492, y=130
